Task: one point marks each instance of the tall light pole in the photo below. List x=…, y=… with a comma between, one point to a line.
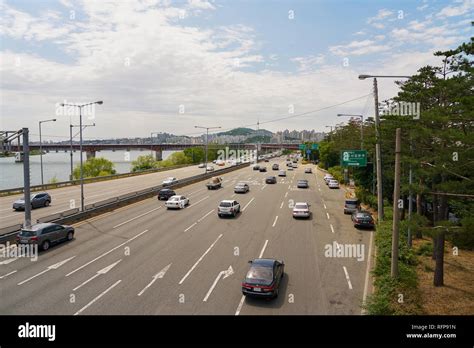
x=41, y=147
x=71, y=126
x=207, y=137
x=378, y=154
x=80, y=106
x=361, y=126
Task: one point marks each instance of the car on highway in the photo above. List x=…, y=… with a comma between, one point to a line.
x=333, y=184
x=41, y=199
x=266, y=160
x=302, y=183
x=263, y=279
x=290, y=168
x=169, y=181
x=271, y=180
x=295, y=165
x=256, y=167
x=202, y=165
x=289, y=164
x=210, y=169
x=363, y=219
x=263, y=169
x=177, y=202
x=351, y=205
x=282, y=173
x=327, y=177
x=165, y=194
x=275, y=166
x=214, y=183
x=228, y=207
x=308, y=170
x=241, y=187
x=45, y=234
x=301, y=210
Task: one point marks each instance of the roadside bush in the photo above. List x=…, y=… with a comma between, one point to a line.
x=464, y=237
x=336, y=172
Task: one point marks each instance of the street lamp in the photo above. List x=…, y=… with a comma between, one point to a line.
x=41, y=147
x=70, y=142
x=207, y=136
x=378, y=154
x=80, y=106
x=361, y=126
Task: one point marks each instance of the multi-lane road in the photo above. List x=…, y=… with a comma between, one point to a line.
x=144, y=259
x=69, y=197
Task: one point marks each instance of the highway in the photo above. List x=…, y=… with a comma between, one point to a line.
x=144, y=259
x=69, y=197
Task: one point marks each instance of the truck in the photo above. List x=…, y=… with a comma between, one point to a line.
x=214, y=183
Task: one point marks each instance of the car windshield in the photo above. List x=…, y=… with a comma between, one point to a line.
x=27, y=233
x=351, y=203
x=225, y=204
x=301, y=206
x=302, y=181
x=259, y=275
x=174, y=199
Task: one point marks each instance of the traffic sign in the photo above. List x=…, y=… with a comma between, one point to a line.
x=354, y=158
x=302, y=146
x=308, y=151
x=314, y=146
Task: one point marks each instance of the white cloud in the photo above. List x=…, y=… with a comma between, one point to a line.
x=357, y=48
x=309, y=62
x=452, y=11
x=381, y=14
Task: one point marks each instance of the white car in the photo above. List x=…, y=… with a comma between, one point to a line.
x=290, y=168
x=281, y=173
x=169, y=181
x=301, y=209
x=177, y=202
x=202, y=165
x=228, y=207
x=210, y=168
x=328, y=177
x=333, y=184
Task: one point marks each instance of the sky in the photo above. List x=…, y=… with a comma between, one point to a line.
x=168, y=66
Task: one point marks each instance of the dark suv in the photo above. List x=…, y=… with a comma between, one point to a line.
x=45, y=234
x=37, y=200
x=165, y=194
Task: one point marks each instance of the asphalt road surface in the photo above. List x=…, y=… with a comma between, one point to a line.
x=70, y=197
x=144, y=259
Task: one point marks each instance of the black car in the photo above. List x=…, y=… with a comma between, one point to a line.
x=271, y=180
x=275, y=166
x=263, y=169
x=165, y=194
x=263, y=278
x=363, y=219
x=37, y=200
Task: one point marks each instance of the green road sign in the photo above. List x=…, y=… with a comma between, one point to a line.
x=314, y=146
x=302, y=146
x=354, y=158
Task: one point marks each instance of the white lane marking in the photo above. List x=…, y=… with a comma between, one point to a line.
x=347, y=277
x=264, y=185
x=100, y=272
x=286, y=194
x=274, y=222
x=225, y=273
x=241, y=303
x=332, y=228
x=137, y=217
x=200, y=259
x=97, y=298
x=159, y=275
x=327, y=215
x=194, y=224
x=366, y=283
x=192, y=193
x=192, y=205
x=232, y=196
x=6, y=262
x=248, y=204
x=324, y=206
x=319, y=189
x=106, y=253
x=205, y=216
x=55, y=266
x=281, y=206
x=6, y=275
x=289, y=187
x=263, y=249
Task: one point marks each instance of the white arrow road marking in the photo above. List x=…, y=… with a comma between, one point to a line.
x=225, y=273
x=106, y=253
x=55, y=266
x=100, y=272
x=97, y=298
x=200, y=259
x=6, y=275
x=347, y=277
x=159, y=275
x=248, y=204
x=6, y=262
x=137, y=217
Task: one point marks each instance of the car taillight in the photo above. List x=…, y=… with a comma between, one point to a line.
x=267, y=288
x=34, y=238
x=245, y=285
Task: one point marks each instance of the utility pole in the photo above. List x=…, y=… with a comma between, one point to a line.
x=378, y=155
x=410, y=198
x=71, y=156
x=26, y=177
x=396, y=210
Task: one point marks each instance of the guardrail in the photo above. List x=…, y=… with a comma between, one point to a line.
x=97, y=208
x=16, y=190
